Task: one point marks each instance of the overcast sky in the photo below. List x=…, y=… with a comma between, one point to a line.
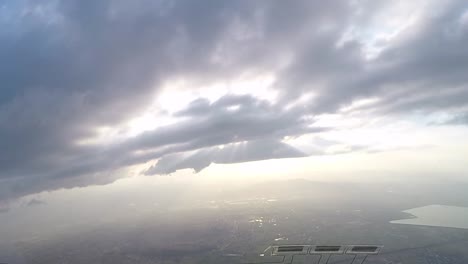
x=90, y=89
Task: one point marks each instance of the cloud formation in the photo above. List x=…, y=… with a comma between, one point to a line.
x=232, y=153
x=70, y=68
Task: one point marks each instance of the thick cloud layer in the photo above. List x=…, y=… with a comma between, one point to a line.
x=69, y=68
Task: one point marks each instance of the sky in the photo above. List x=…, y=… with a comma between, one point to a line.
x=95, y=91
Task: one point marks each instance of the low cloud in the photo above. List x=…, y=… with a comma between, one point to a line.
x=232, y=153
x=34, y=202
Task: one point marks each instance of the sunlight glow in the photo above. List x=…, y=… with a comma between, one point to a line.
x=302, y=100
x=355, y=105
x=176, y=95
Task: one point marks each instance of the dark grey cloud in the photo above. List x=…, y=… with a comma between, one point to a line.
x=205, y=126
x=35, y=202
x=4, y=207
x=68, y=67
x=216, y=124
x=233, y=153
x=425, y=70
x=87, y=63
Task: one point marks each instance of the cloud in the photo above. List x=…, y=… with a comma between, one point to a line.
x=458, y=119
x=71, y=68
x=206, y=125
x=4, y=209
x=34, y=202
x=425, y=69
x=232, y=153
